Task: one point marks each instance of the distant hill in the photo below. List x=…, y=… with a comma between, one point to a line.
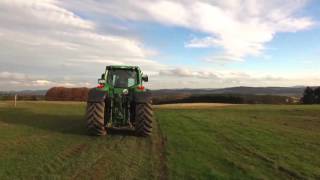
x=238, y=95
x=25, y=92
x=281, y=91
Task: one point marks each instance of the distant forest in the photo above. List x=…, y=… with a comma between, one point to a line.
x=236, y=95
x=224, y=98
x=80, y=94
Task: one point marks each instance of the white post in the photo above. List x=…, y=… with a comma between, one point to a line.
x=15, y=100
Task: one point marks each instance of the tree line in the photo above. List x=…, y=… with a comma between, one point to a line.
x=311, y=96
x=223, y=98
x=67, y=94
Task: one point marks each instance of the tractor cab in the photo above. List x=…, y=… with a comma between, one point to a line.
x=122, y=77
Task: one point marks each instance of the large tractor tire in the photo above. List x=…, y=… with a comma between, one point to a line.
x=95, y=118
x=143, y=118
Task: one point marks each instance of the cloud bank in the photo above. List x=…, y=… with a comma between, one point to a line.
x=241, y=28
x=46, y=43
x=41, y=38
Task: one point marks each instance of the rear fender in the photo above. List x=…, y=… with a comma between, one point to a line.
x=142, y=97
x=95, y=95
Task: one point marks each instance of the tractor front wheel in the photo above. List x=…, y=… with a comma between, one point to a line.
x=143, y=118
x=95, y=118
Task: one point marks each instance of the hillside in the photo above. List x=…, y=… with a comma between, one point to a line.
x=25, y=92
x=283, y=91
x=239, y=95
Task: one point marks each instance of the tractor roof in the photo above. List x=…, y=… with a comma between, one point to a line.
x=122, y=67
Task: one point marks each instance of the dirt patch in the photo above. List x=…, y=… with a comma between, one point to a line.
x=192, y=105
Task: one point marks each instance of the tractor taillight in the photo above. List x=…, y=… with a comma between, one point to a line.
x=141, y=88
x=100, y=86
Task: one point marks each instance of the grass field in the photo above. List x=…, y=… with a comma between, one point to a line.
x=48, y=140
x=241, y=142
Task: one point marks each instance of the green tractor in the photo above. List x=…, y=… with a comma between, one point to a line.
x=120, y=101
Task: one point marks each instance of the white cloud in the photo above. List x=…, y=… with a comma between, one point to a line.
x=208, y=78
x=185, y=72
x=47, y=43
x=12, y=76
x=44, y=13
x=13, y=80
x=202, y=43
x=241, y=28
x=43, y=39
x=42, y=82
x=245, y=34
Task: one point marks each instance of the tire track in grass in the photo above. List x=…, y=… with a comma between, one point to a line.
x=159, y=148
x=124, y=155
x=270, y=162
x=93, y=171
x=74, y=151
x=63, y=157
x=100, y=166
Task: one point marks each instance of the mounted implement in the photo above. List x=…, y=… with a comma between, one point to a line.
x=120, y=101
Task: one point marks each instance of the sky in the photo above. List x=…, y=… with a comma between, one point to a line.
x=178, y=43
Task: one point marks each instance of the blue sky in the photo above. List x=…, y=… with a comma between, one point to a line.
x=180, y=44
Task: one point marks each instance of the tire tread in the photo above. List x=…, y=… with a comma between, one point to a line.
x=95, y=118
x=144, y=118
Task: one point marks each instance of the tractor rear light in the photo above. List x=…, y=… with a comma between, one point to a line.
x=141, y=88
x=100, y=86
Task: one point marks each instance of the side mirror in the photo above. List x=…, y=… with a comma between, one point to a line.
x=145, y=78
x=101, y=81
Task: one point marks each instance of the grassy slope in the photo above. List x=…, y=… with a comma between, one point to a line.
x=254, y=141
x=45, y=140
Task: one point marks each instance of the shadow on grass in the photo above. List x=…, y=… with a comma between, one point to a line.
x=60, y=123
x=121, y=131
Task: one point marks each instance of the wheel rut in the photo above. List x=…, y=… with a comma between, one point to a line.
x=65, y=156
x=121, y=155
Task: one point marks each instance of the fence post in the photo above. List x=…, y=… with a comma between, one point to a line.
x=15, y=100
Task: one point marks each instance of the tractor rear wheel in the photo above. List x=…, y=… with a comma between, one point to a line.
x=143, y=119
x=95, y=118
